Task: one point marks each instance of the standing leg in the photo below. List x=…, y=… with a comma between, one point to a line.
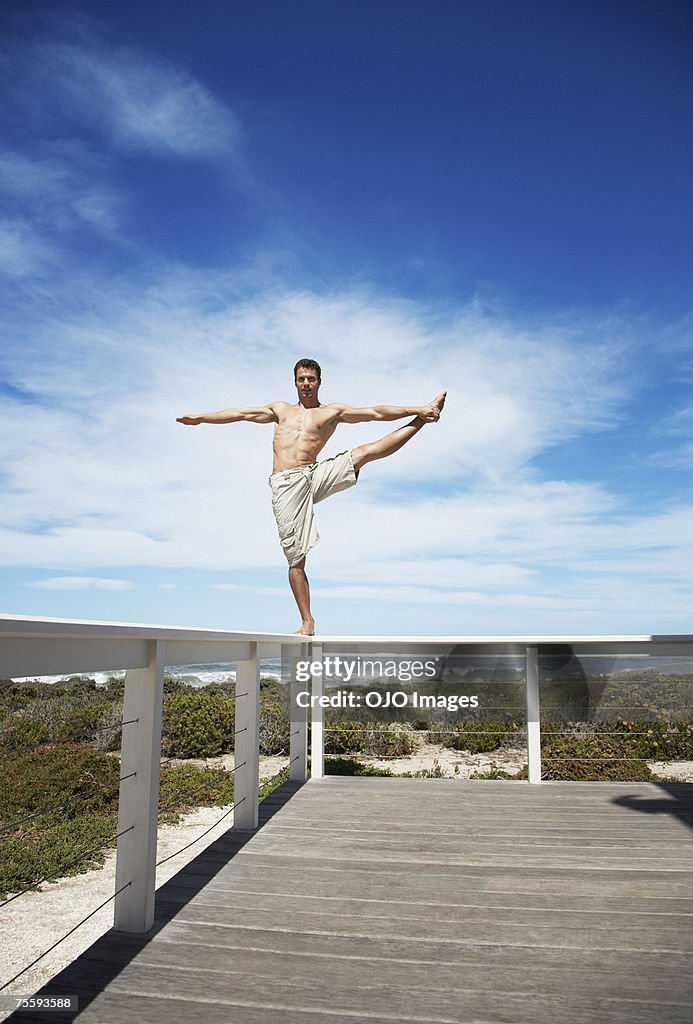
x=298, y=581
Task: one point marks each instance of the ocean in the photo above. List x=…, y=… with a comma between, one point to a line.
x=453, y=667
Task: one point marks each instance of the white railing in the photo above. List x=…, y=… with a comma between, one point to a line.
x=36, y=647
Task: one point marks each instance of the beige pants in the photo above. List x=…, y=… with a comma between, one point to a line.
x=295, y=491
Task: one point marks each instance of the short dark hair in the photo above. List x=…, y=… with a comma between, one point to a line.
x=309, y=364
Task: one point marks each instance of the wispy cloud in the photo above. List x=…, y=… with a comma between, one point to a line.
x=81, y=583
x=90, y=101
x=22, y=249
x=62, y=186
x=138, y=102
x=98, y=473
x=678, y=430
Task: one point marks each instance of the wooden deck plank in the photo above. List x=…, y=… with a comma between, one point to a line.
x=401, y=880
x=614, y=978
x=147, y=1009
x=179, y=893
x=419, y=901
x=547, y=928
x=322, y=992
x=615, y=972
x=395, y=941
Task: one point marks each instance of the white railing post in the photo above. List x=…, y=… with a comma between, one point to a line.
x=247, y=775
x=138, y=809
x=298, y=740
x=533, y=715
x=317, y=733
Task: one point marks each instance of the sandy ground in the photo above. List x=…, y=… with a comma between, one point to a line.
x=34, y=921
x=454, y=764
x=458, y=764
x=682, y=771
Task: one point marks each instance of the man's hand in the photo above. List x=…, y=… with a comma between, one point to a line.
x=189, y=421
x=431, y=413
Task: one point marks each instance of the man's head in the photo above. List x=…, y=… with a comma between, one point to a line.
x=307, y=379
x=307, y=364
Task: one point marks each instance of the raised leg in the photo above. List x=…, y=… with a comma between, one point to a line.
x=391, y=443
x=300, y=588
x=387, y=445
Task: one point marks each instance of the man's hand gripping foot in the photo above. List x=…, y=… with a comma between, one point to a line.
x=431, y=413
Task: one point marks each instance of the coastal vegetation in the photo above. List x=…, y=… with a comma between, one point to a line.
x=59, y=769
x=59, y=744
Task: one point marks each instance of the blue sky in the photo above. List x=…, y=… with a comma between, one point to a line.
x=491, y=197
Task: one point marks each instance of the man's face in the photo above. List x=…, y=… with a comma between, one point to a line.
x=307, y=384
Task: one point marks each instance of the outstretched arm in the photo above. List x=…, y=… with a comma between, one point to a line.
x=261, y=414
x=430, y=413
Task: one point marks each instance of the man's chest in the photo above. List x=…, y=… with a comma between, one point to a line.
x=307, y=423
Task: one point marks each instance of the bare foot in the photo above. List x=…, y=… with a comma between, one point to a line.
x=307, y=628
x=431, y=413
x=439, y=402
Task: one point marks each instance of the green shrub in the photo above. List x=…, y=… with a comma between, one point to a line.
x=655, y=740
x=274, y=728
x=18, y=731
x=344, y=737
x=68, y=848
x=39, y=713
x=590, y=759
x=269, y=785
x=16, y=696
x=37, y=779
x=109, y=736
x=197, y=724
x=349, y=766
x=614, y=750
x=379, y=739
x=493, y=772
x=183, y=787
x=389, y=741
x=480, y=737
x=76, y=790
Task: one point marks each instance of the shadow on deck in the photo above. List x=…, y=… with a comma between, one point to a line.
x=417, y=900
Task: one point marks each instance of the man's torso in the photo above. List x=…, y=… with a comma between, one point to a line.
x=301, y=434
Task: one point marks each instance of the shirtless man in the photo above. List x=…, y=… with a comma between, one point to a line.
x=298, y=481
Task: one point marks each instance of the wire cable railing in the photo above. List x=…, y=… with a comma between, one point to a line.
x=55, y=741
x=182, y=799
x=60, y=806
x=202, y=835
x=606, y=734
x=85, y=737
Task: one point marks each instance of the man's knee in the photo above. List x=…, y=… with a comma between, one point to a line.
x=299, y=567
x=360, y=455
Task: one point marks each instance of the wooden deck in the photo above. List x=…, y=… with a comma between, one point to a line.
x=397, y=900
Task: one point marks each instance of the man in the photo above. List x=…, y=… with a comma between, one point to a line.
x=298, y=481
